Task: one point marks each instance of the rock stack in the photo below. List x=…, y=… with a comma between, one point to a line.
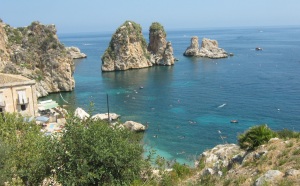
x=128, y=48
x=209, y=48
x=161, y=51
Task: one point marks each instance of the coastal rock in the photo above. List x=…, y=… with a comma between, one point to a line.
x=134, y=126
x=36, y=53
x=127, y=49
x=268, y=177
x=208, y=171
x=209, y=48
x=79, y=112
x=193, y=50
x=161, y=51
x=75, y=52
x=222, y=156
x=113, y=116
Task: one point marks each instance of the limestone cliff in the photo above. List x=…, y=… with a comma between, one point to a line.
x=161, y=51
x=127, y=49
x=36, y=53
x=209, y=48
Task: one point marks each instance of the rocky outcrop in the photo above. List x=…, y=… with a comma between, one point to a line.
x=193, y=50
x=268, y=177
x=134, y=126
x=113, y=116
x=75, y=52
x=128, y=48
x=36, y=53
x=209, y=48
x=161, y=51
x=80, y=113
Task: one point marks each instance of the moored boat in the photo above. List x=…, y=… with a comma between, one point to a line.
x=258, y=48
x=235, y=121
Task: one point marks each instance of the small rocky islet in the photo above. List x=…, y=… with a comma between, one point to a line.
x=209, y=48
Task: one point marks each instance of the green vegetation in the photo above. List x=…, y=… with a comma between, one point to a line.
x=156, y=28
x=89, y=152
x=255, y=137
x=26, y=65
x=287, y=134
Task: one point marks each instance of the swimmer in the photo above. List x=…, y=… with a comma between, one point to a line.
x=219, y=131
x=158, y=125
x=146, y=125
x=153, y=108
x=176, y=126
x=157, y=129
x=178, y=101
x=170, y=105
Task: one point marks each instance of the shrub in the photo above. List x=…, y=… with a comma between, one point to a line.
x=181, y=170
x=255, y=137
x=92, y=152
x=286, y=133
x=157, y=27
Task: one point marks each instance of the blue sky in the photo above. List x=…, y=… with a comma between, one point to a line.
x=98, y=15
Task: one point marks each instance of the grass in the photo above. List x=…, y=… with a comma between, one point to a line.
x=288, y=145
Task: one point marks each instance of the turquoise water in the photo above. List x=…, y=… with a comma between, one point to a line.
x=186, y=99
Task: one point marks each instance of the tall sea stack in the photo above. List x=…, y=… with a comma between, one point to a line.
x=161, y=51
x=128, y=48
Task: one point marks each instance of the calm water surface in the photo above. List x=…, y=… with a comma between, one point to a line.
x=185, y=99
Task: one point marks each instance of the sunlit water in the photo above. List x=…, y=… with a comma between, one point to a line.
x=187, y=99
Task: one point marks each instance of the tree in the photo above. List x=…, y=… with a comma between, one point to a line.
x=26, y=147
x=93, y=152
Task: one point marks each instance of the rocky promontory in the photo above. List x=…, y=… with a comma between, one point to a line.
x=36, y=53
x=128, y=48
x=161, y=51
x=209, y=48
x=75, y=52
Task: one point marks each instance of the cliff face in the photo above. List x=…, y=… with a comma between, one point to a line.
x=127, y=49
x=161, y=51
x=36, y=53
x=209, y=48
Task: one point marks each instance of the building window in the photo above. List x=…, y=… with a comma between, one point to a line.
x=1, y=110
x=23, y=107
x=22, y=97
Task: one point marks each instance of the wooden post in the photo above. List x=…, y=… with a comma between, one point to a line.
x=107, y=106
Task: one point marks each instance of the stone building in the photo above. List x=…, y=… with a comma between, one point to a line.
x=18, y=94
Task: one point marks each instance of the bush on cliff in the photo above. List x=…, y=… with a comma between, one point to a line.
x=255, y=137
x=156, y=27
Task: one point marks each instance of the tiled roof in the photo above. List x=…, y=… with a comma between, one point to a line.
x=9, y=78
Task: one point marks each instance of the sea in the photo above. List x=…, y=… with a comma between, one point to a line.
x=189, y=106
